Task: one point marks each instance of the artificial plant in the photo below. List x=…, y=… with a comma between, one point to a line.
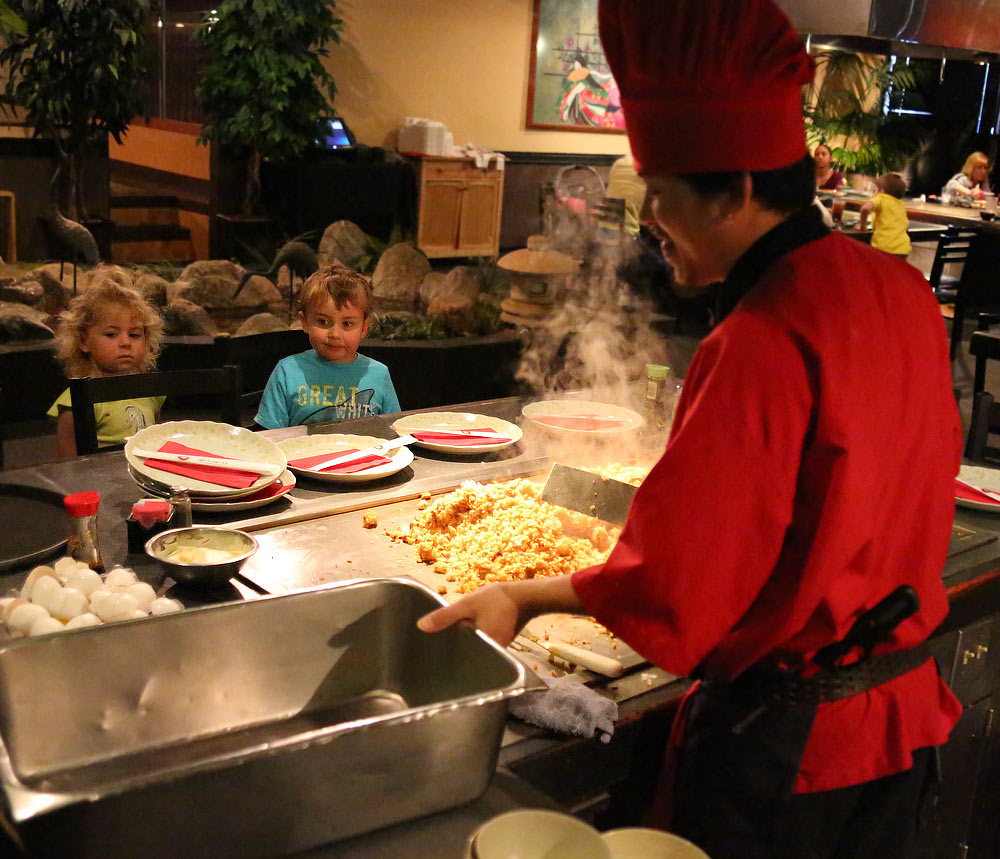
x=10, y=21
x=264, y=89
x=78, y=73
x=845, y=108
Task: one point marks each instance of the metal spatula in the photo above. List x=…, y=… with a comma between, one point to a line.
x=587, y=493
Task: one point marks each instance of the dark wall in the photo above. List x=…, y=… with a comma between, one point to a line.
x=26, y=167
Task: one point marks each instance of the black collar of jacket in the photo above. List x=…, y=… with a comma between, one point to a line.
x=792, y=233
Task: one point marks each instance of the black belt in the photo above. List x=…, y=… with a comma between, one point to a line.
x=773, y=687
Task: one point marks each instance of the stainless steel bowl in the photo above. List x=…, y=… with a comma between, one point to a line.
x=238, y=544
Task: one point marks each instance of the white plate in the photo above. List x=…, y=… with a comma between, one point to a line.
x=536, y=412
x=640, y=843
x=334, y=443
x=985, y=478
x=215, y=438
x=458, y=421
x=268, y=495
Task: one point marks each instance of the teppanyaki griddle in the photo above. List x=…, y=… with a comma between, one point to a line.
x=34, y=525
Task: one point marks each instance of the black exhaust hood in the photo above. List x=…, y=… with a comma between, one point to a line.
x=956, y=29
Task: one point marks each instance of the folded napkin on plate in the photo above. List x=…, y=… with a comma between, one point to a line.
x=459, y=439
x=970, y=493
x=363, y=464
x=205, y=473
x=579, y=422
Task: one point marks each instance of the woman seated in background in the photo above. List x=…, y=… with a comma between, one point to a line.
x=965, y=185
x=827, y=179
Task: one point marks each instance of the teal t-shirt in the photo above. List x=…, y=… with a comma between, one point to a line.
x=305, y=389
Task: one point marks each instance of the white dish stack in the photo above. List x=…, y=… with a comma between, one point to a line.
x=425, y=137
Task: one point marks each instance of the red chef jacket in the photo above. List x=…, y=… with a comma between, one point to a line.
x=808, y=474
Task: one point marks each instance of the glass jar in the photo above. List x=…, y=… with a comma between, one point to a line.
x=81, y=541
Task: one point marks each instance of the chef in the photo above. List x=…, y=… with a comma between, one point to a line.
x=808, y=474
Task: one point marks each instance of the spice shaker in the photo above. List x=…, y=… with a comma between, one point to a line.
x=655, y=402
x=181, y=502
x=82, y=538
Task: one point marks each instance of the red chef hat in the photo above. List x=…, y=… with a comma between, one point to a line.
x=707, y=85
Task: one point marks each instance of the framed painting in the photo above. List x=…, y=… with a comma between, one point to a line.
x=570, y=87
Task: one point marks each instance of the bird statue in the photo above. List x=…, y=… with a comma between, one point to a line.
x=297, y=256
x=72, y=240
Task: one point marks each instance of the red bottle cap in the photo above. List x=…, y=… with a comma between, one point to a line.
x=82, y=503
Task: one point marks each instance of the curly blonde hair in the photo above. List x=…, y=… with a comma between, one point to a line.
x=85, y=310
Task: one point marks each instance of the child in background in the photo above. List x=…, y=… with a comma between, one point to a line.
x=109, y=330
x=331, y=381
x=889, y=221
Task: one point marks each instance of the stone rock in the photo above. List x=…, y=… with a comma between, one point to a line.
x=258, y=291
x=430, y=287
x=175, y=289
x=221, y=268
x=28, y=292
x=457, y=313
x=182, y=318
x=57, y=294
x=260, y=323
x=343, y=241
x=461, y=282
x=210, y=290
x=399, y=273
x=52, y=269
x=153, y=288
x=20, y=322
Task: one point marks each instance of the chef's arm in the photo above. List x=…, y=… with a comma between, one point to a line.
x=500, y=610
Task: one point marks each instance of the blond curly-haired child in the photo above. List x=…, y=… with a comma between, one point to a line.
x=109, y=330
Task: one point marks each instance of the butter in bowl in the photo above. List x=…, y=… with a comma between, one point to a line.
x=201, y=556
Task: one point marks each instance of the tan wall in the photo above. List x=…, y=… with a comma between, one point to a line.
x=464, y=64
x=163, y=148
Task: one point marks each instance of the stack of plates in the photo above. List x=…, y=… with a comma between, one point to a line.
x=214, y=439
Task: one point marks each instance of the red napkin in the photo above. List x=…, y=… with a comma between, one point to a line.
x=207, y=473
x=579, y=422
x=967, y=493
x=459, y=439
x=370, y=461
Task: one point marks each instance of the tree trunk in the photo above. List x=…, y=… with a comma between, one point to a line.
x=252, y=195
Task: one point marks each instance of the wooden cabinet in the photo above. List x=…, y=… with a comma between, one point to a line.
x=459, y=208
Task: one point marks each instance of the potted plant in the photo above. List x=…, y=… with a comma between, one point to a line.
x=844, y=108
x=10, y=21
x=77, y=71
x=263, y=88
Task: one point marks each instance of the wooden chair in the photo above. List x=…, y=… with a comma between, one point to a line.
x=256, y=355
x=222, y=382
x=952, y=247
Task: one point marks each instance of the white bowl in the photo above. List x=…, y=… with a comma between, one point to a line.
x=537, y=834
x=641, y=843
x=606, y=419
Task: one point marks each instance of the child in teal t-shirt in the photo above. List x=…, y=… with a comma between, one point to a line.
x=331, y=381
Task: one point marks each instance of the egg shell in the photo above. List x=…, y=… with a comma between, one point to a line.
x=45, y=625
x=85, y=580
x=144, y=595
x=4, y=603
x=82, y=620
x=22, y=617
x=13, y=604
x=120, y=577
x=34, y=576
x=139, y=613
x=165, y=605
x=47, y=593
x=100, y=603
x=65, y=566
x=71, y=603
x=123, y=607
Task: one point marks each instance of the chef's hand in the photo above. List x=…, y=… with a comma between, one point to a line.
x=500, y=610
x=491, y=609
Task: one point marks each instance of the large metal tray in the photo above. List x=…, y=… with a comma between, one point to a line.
x=246, y=729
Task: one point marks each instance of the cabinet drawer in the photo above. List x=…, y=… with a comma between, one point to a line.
x=972, y=668
x=457, y=170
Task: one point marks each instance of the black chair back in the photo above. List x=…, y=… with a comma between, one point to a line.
x=978, y=290
x=256, y=355
x=953, y=247
x=224, y=383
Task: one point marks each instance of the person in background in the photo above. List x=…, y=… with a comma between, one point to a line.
x=109, y=330
x=827, y=179
x=889, y=221
x=965, y=185
x=625, y=184
x=331, y=381
x=786, y=504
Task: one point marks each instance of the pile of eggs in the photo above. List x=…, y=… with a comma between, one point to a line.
x=70, y=595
